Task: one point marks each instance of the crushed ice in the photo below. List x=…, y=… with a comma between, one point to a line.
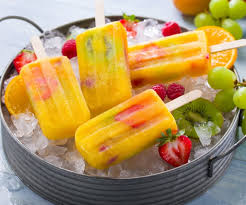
x=147, y=30
x=63, y=153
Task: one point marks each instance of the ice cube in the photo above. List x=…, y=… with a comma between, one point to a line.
x=115, y=171
x=54, y=160
x=25, y=124
x=147, y=30
x=199, y=83
x=73, y=31
x=53, y=42
x=199, y=151
x=152, y=29
x=41, y=141
x=204, y=133
x=58, y=142
x=124, y=174
x=29, y=143
x=52, y=150
x=74, y=162
x=71, y=145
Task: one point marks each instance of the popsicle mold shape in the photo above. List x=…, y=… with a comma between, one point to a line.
x=103, y=66
x=169, y=58
x=55, y=96
x=124, y=130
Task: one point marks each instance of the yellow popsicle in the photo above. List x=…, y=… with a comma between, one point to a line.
x=124, y=130
x=169, y=58
x=103, y=66
x=55, y=96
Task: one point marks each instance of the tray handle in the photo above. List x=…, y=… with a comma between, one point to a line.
x=23, y=19
x=230, y=150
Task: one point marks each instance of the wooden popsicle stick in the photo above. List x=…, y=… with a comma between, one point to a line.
x=184, y=99
x=38, y=47
x=99, y=17
x=228, y=45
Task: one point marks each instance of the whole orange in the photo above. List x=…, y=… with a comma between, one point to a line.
x=191, y=7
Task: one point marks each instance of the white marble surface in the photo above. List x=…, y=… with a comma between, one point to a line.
x=14, y=35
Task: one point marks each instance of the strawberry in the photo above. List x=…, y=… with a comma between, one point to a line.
x=23, y=58
x=69, y=48
x=129, y=22
x=175, y=149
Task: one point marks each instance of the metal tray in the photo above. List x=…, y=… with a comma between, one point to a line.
x=61, y=186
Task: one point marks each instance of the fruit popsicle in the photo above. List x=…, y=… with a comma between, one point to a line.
x=169, y=58
x=103, y=66
x=55, y=96
x=124, y=130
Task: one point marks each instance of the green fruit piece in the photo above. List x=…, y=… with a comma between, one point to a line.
x=219, y=8
x=244, y=123
x=239, y=98
x=199, y=111
x=237, y=9
x=233, y=27
x=221, y=78
x=224, y=100
x=204, y=19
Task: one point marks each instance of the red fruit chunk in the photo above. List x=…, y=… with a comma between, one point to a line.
x=175, y=90
x=176, y=152
x=103, y=148
x=46, y=86
x=110, y=161
x=125, y=116
x=69, y=49
x=137, y=82
x=160, y=89
x=23, y=58
x=170, y=28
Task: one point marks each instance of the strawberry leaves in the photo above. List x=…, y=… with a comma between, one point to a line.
x=169, y=136
x=131, y=18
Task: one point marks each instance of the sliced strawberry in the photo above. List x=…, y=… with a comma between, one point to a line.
x=23, y=58
x=175, y=149
x=129, y=22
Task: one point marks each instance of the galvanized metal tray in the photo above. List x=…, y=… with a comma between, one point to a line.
x=61, y=186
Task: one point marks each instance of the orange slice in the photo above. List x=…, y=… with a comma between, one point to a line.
x=16, y=99
x=217, y=35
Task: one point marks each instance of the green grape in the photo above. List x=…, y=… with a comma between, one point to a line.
x=237, y=9
x=219, y=8
x=224, y=100
x=204, y=19
x=221, y=78
x=233, y=27
x=239, y=98
x=244, y=123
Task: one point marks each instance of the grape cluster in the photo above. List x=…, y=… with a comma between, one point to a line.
x=228, y=97
x=224, y=13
